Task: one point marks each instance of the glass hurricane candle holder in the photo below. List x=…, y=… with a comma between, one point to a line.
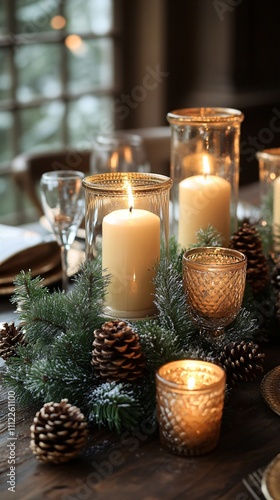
x=205, y=171
x=269, y=173
x=190, y=401
x=127, y=216
x=214, y=282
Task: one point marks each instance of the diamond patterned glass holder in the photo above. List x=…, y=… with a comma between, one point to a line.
x=190, y=418
x=214, y=282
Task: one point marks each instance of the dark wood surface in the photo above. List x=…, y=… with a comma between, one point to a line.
x=136, y=467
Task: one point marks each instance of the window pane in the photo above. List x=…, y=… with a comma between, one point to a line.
x=6, y=135
x=3, y=18
x=5, y=75
x=41, y=127
x=85, y=16
x=88, y=116
x=38, y=71
x=91, y=67
x=34, y=16
x=7, y=198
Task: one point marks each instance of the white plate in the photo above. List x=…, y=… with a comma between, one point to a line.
x=15, y=239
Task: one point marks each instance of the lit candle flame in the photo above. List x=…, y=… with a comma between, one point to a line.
x=130, y=197
x=206, y=166
x=191, y=383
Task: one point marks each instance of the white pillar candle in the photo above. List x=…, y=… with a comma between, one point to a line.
x=130, y=251
x=203, y=200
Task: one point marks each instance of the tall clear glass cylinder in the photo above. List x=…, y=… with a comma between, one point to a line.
x=127, y=217
x=269, y=173
x=205, y=148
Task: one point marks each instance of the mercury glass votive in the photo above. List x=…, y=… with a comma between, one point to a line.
x=214, y=281
x=205, y=144
x=127, y=216
x=190, y=401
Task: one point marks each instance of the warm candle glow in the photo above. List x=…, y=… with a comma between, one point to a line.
x=190, y=420
x=130, y=197
x=191, y=383
x=114, y=161
x=127, y=154
x=58, y=22
x=206, y=165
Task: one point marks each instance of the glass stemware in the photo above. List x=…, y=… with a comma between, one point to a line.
x=63, y=203
x=214, y=282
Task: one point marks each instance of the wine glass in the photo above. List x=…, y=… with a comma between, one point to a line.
x=214, y=281
x=118, y=152
x=63, y=203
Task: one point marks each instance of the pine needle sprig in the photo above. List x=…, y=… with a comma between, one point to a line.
x=17, y=373
x=114, y=405
x=243, y=327
x=49, y=379
x=208, y=237
x=159, y=344
x=170, y=299
x=45, y=318
x=85, y=301
x=27, y=289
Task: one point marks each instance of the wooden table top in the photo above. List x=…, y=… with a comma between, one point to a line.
x=134, y=466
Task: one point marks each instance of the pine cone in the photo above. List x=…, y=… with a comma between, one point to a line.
x=248, y=241
x=241, y=361
x=10, y=338
x=117, y=353
x=58, y=433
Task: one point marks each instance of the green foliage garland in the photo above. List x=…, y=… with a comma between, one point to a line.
x=55, y=362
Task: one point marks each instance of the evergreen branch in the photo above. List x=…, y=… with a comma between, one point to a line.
x=170, y=299
x=27, y=289
x=85, y=301
x=45, y=318
x=208, y=237
x=17, y=373
x=50, y=380
x=159, y=345
x=114, y=405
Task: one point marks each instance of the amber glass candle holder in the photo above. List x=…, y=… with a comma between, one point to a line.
x=190, y=401
x=214, y=282
x=205, y=145
x=127, y=218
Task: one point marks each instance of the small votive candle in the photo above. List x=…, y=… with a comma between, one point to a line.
x=190, y=401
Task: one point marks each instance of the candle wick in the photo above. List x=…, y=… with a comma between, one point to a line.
x=130, y=209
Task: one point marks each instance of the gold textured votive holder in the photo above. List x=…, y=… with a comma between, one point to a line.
x=214, y=282
x=190, y=401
